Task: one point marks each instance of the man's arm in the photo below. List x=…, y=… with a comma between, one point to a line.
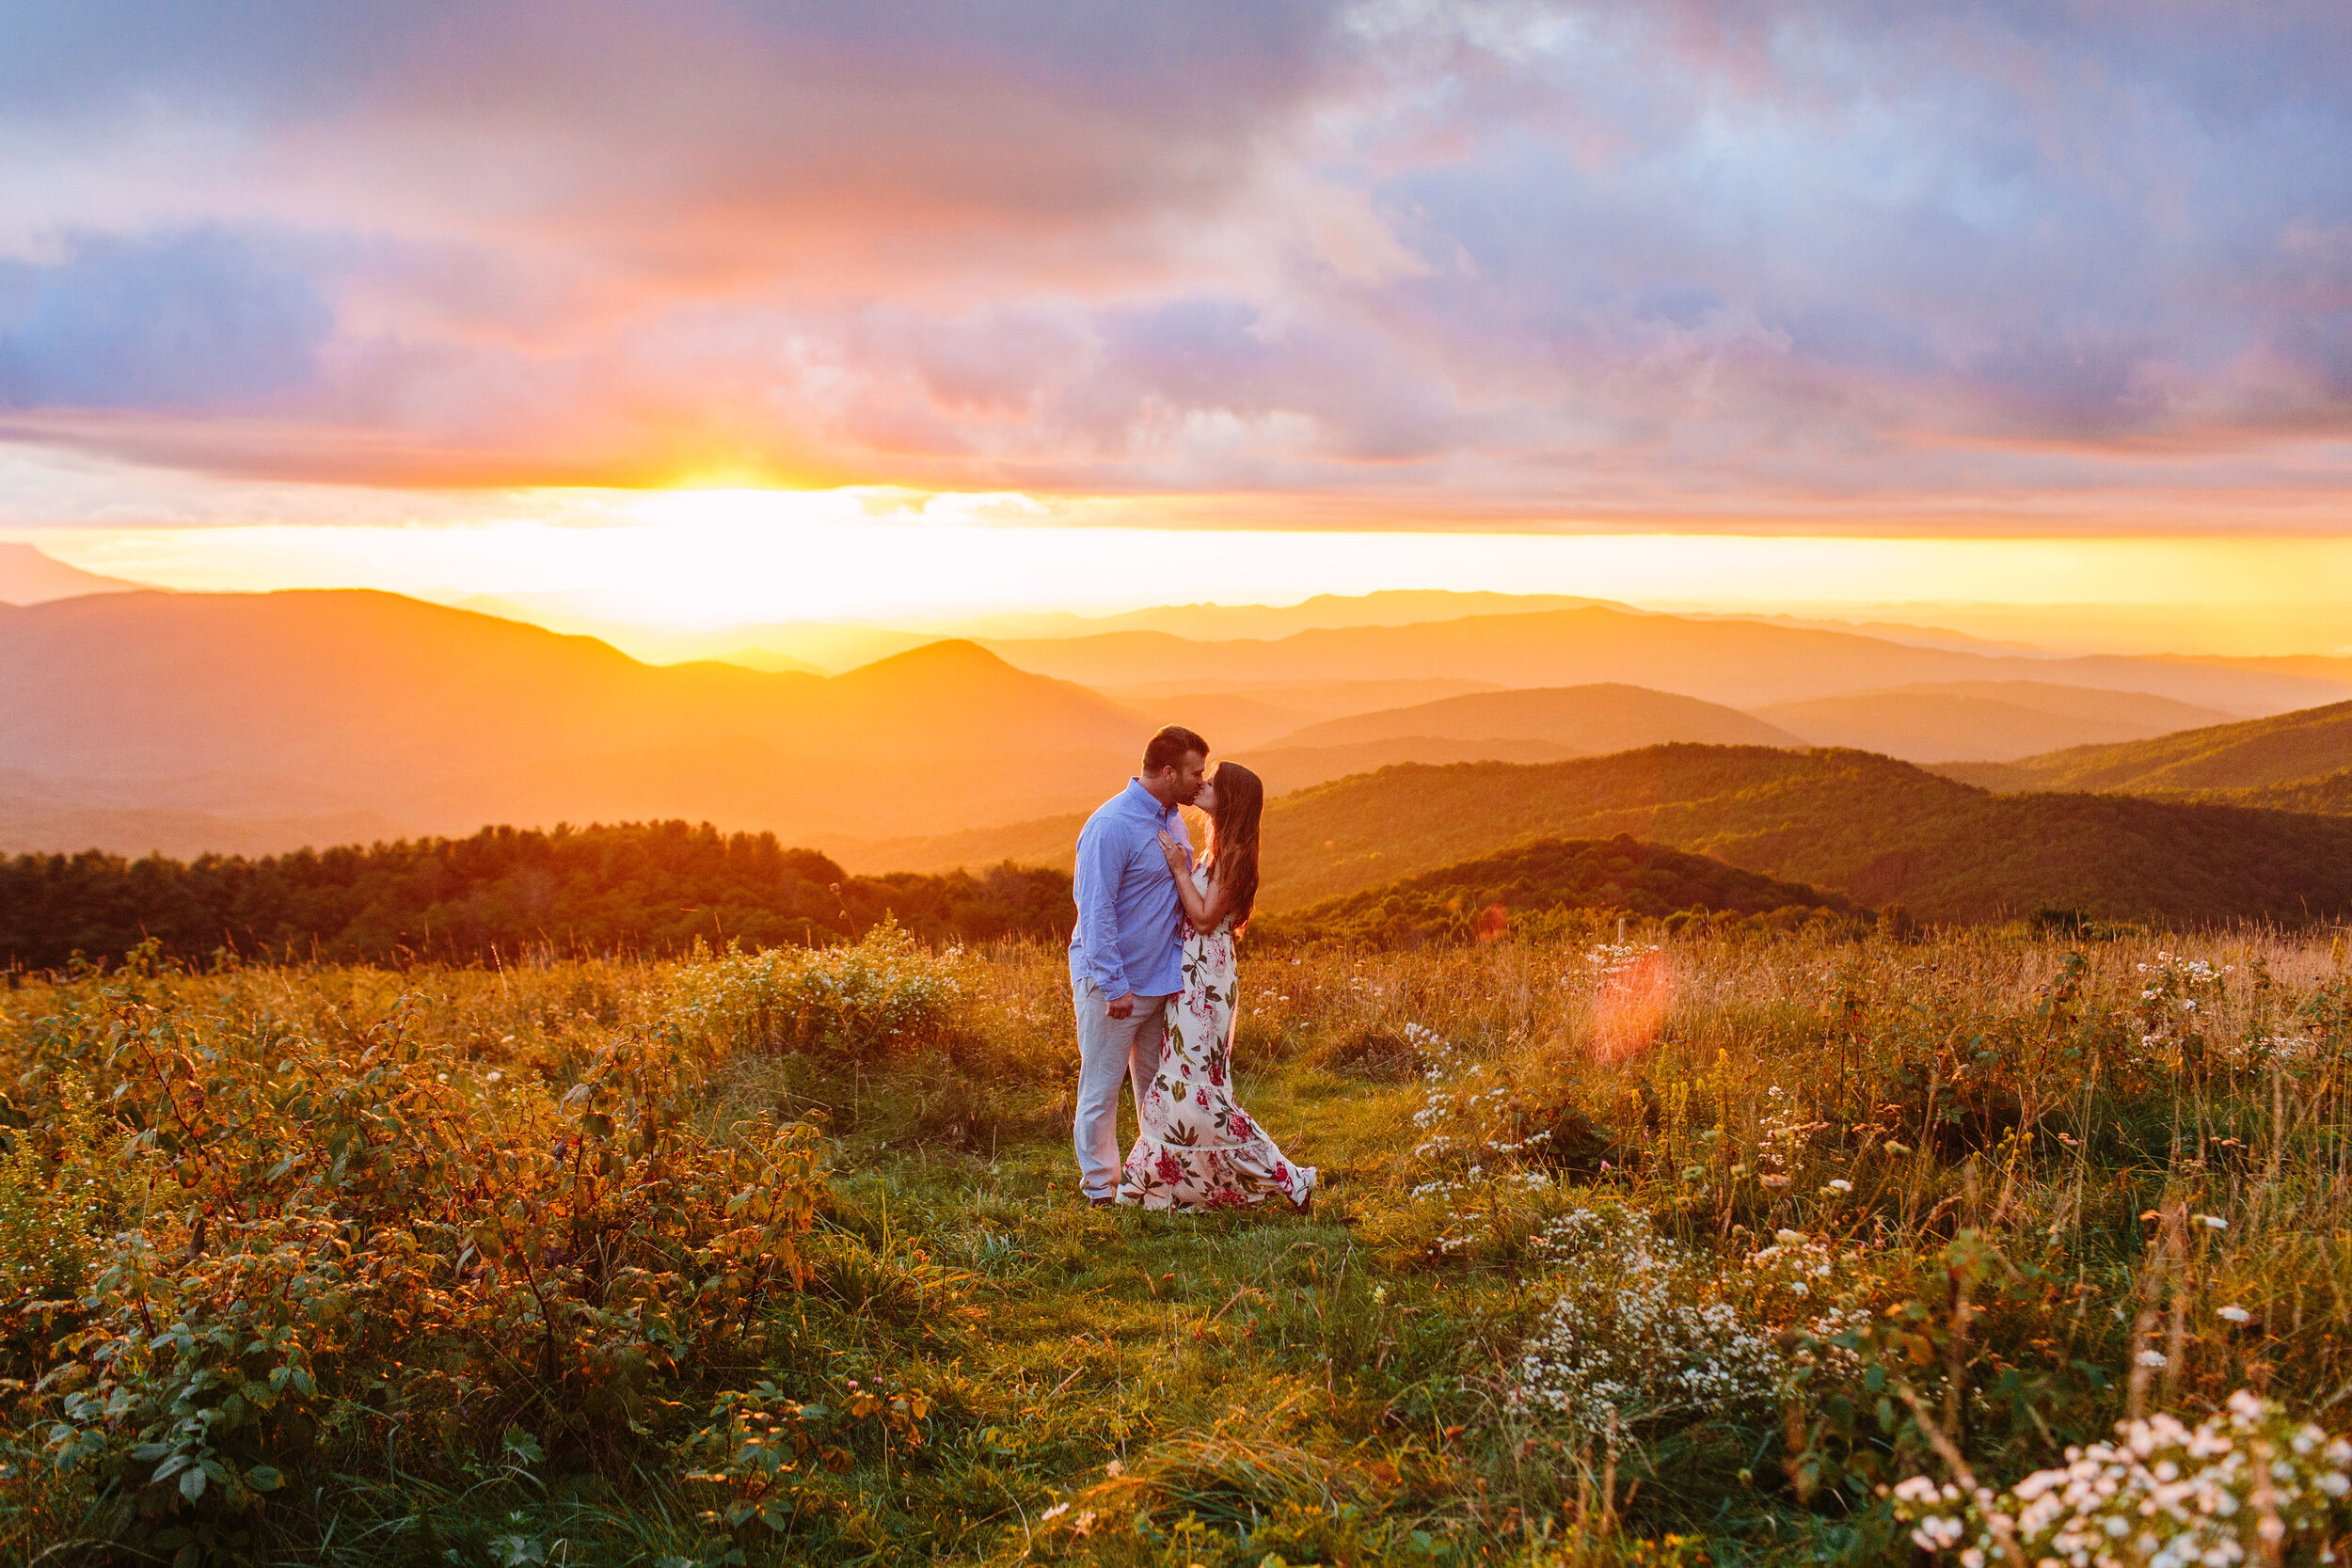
x=1101, y=862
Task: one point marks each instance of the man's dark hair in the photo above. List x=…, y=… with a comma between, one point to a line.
x=1168, y=748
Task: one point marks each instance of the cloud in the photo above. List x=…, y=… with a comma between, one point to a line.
x=190, y=320
x=1513, y=259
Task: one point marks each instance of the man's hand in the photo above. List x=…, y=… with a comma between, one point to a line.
x=1122, y=1006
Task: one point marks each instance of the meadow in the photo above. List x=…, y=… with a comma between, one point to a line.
x=1720, y=1245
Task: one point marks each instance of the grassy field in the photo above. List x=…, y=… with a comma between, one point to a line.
x=1700, y=1252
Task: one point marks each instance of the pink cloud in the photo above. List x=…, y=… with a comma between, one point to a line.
x=1501, y=261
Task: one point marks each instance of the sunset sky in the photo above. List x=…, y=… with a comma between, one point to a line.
x=939, y=307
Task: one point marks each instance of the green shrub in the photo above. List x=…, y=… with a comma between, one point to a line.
x=856, y=1002
x=365, y=1262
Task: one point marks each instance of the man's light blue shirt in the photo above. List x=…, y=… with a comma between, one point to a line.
x=1129, y=936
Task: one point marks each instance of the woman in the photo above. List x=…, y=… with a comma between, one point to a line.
x=1197, y=1147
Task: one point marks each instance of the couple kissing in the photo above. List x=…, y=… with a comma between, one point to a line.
x=1152, y=975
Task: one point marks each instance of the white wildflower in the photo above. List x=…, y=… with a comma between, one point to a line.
x=2236, y=1314
x=1937, y=1534
x=2162, y=1496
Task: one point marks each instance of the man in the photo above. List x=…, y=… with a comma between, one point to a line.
x=1126, y=956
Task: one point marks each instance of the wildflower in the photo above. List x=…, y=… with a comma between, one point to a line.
x=2151, y=1358
x=1790, y=1237
x=1379, y=1295
x=2162, y=1496
x=2236, y=1314
x=1114, y=1469
x=1775, y=1182
x=1054, y=1512
x=1936, y=1533
x=1893, y=1148
x=2212, y=1222
x=1840, y=1185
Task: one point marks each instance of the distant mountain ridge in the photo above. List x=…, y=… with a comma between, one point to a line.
x=1286, y=769
x=310, y=704
x=1603, y=717
x=27, y=577
x=1742, y=664
x=1932, y=722
x=2255, y=753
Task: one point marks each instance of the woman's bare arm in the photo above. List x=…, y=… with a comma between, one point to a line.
x=1204, y=912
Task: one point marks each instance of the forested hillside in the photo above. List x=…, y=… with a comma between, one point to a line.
x=1526, y=891
x=1879, y=830
x=649, y=888
x=2286, y=748
x=2329, y=794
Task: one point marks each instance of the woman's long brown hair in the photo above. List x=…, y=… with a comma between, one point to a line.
x=1232, y=854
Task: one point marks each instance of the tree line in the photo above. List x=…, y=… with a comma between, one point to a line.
x=640, y=888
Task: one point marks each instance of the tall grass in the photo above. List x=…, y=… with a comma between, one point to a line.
x=1685, y=1246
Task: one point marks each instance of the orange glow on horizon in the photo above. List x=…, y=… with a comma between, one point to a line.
x=700, y=557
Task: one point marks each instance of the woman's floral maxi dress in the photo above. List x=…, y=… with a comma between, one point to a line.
x=1197, y=1148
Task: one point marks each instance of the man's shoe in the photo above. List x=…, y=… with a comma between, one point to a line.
x=1102, y=1203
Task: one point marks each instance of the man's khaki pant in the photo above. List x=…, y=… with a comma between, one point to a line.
x=1110, y=1048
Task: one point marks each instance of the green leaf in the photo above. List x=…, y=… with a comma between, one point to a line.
x=261, y=1477
x=171, y=1466
x=192, y=1481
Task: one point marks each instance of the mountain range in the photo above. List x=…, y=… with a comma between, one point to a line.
x=1872, y=828
x=255, y=722
x=1742, y=664
x=1606, y=717
x=1879, y=830
x=28, y=577
x=2259, y=753
x=1983, y=721
x=311, y=702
